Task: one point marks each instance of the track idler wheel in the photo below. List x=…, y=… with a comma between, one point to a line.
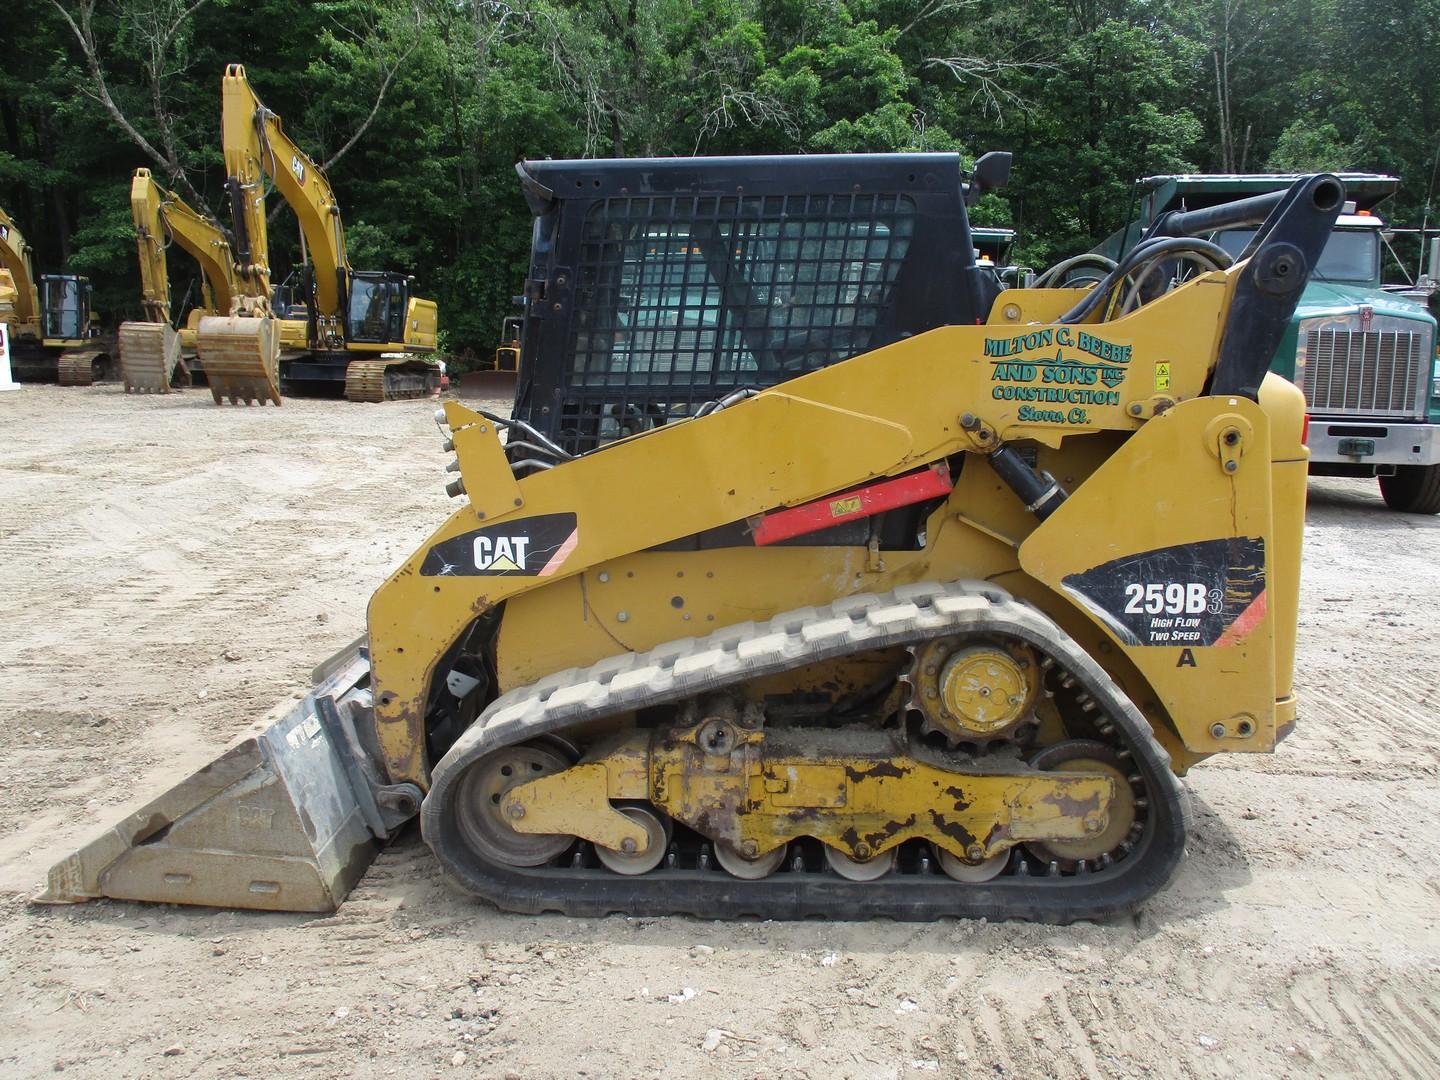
x=483, y=824
x=1088, y=756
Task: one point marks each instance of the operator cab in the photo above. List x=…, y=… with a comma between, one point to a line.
x=285, y=303
x=658, y=287
x=378, y=303
x=1351, y=255
x=64, y=306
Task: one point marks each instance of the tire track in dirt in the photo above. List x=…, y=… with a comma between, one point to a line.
x=1399, y=1032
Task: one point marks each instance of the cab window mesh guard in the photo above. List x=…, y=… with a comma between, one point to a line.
x=692, y=296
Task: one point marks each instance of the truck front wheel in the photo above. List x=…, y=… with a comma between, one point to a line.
x=1414, y=489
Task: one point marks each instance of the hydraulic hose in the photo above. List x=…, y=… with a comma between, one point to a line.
x=1057, y=272
x=1160, y=247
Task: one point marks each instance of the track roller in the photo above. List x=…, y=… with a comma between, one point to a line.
x=732, y=862
x=872, y=869
x=638, y=862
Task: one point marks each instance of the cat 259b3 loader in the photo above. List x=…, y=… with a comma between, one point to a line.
x=927, y=631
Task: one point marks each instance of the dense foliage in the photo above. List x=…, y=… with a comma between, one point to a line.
x=421, y=107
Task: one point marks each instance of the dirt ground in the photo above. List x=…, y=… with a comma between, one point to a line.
x=176, y=569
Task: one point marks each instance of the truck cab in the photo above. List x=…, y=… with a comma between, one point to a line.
x=1364, y=356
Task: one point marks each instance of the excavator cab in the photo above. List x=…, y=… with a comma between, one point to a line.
x=65, y=308
x=388, y=326
x=285, y=302
x=378, y=302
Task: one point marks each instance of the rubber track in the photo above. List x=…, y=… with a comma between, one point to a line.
x=683, y=669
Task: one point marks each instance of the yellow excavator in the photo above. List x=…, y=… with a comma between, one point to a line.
x=928, y=627
x=365, y=329
x=54, y=336
x=153, y=351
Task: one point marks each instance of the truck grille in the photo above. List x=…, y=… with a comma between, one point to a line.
x=1373, y=373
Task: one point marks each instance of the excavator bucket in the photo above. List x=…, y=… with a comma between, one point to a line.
x=391, y=378
x=241, y=358
x=149, y=357
x=284, y=820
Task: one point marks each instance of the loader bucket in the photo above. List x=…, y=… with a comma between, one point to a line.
x=275, y=823
x=240, y=355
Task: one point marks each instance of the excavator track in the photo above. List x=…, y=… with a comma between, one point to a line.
x=241, y=359
x=688, y=880
x=150, y=358
x=391, y=379
x=82, y=367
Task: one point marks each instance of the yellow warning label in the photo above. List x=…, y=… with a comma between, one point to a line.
x=1162, y=376
x=841, y=507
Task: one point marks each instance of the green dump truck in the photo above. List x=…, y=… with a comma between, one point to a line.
x=1364, y=355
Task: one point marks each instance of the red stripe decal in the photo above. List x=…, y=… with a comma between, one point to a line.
x=1244, y=623
x=858, y=502
x=561, y=554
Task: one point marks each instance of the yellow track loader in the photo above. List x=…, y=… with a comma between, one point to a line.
x=927, y=631
x=365, y=330
x=54, y=336
x=498, y=374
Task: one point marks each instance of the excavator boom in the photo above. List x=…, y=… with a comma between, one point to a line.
x=23, y=317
